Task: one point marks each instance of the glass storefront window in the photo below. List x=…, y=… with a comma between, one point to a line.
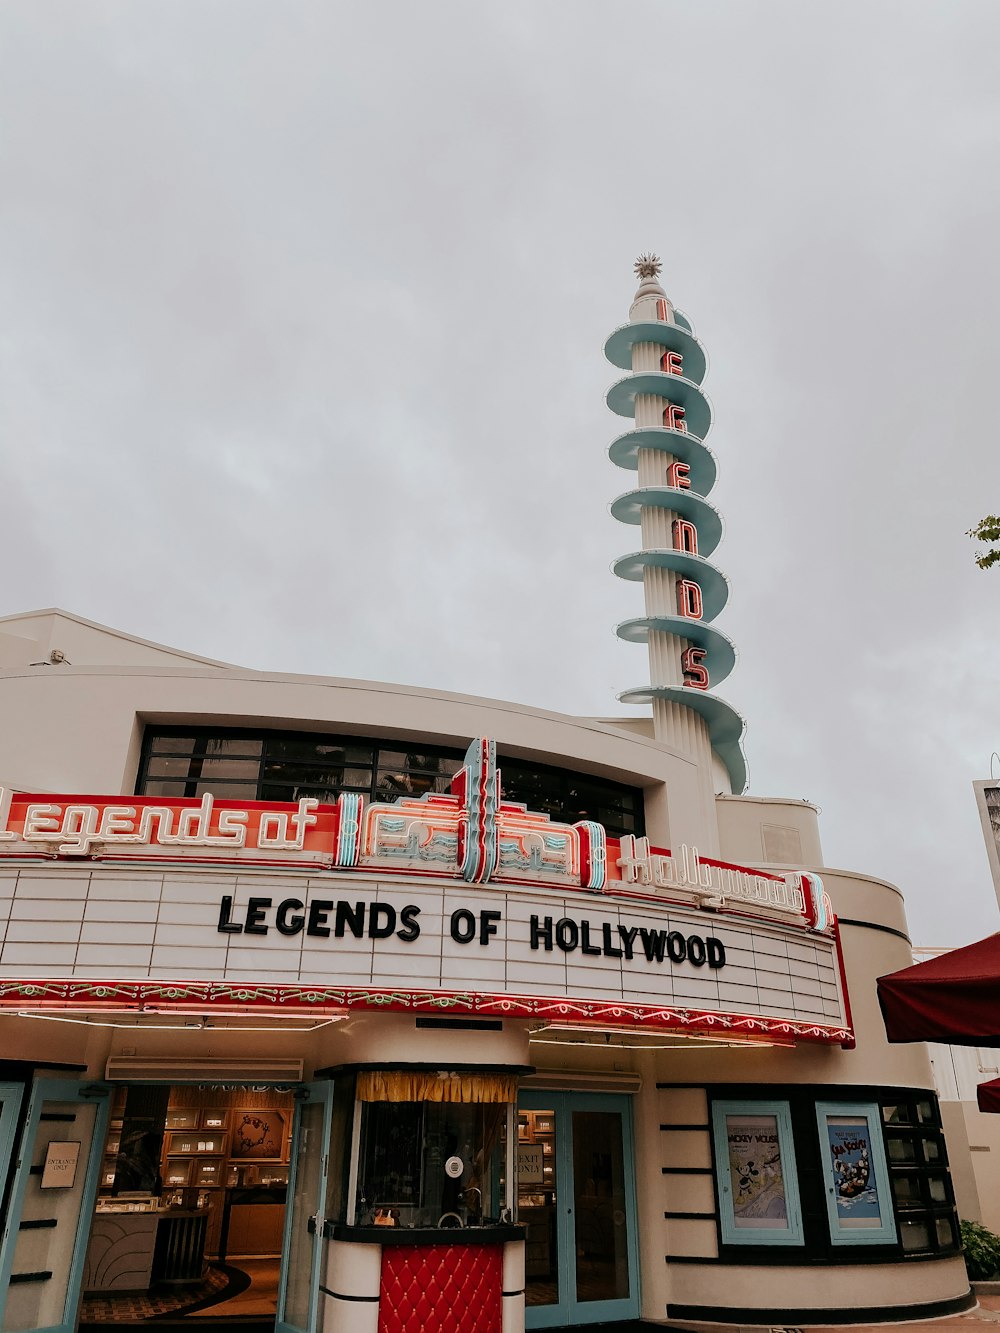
x=431, y=1164
x=283, y=766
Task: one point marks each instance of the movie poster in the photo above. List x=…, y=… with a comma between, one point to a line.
x=854, y=1183
x=756, y=1172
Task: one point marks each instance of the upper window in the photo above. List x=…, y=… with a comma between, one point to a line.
x=285, y=766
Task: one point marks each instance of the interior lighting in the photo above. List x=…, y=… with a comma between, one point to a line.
x=205, y=1025
x=648, y=1041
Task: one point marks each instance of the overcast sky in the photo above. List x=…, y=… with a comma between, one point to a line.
x=301, y=317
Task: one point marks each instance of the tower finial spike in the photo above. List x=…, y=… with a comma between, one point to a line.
x=647, y=266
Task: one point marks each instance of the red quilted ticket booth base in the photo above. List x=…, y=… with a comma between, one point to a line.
x=441, y=1289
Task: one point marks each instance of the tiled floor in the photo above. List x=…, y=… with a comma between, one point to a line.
x=259, y=1299
x=252, y=1285
x=129, y=1306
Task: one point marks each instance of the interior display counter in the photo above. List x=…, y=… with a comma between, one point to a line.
x=130, y=1250
x=252, y=1221
x=120, y=1254
x=179, y=1255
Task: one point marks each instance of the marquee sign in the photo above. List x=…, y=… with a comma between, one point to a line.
x=471, y=834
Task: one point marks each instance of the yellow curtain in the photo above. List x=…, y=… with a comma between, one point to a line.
x=376, y=1085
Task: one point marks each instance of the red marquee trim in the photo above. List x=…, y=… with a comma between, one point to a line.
x=301, y=1000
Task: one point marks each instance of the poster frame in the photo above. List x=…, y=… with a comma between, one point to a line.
x=733, y=1234
x=885, y=1233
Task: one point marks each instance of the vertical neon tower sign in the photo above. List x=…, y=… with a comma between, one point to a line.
x=682, y=589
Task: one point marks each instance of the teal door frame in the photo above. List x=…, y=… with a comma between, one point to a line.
x=11, y=1095
x=569, y=1310
x=309, y=1094
x=66, y=1091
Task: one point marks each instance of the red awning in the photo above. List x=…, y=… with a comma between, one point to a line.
x=954, y=998
x=988, y=1096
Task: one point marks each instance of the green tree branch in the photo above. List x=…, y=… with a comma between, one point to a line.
x=987, y=530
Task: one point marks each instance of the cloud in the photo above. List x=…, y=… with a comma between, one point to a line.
x=308, y=302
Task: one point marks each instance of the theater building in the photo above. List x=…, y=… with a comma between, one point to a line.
x=459, y=1013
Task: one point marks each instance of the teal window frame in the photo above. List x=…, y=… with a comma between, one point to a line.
x=885, y=1233
x=732, y=1234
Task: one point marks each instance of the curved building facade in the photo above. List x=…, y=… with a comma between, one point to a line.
x=444, y=1004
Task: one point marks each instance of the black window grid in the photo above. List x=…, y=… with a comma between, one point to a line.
x=917, y=1158
x=236, y=764
x=920, y=1187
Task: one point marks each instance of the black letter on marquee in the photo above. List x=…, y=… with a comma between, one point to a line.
x=350, y=918
x=716, y=952
x=487, y=926
x=286, y=927
x=411, y=927
x=256, y=907
x=381, y=930
x=567, y=934
x=609, y=950
x=652, y=944
x=585, y=944
x=538, y=933
x=318, y=909
x=226, y=924
x=463, y=926
x=676, y=947
x=696, y=950
x=628, y=934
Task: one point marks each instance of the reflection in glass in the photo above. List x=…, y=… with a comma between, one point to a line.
x=301, y=1253
x=286, y=767
x=430, y=1164
x=536, y=1205
x=896, y=1114
x=599, y=1207
x=914, y=1235
x=311, y=751
x=906, y=1189
x=246, y=769
x=901, y=1150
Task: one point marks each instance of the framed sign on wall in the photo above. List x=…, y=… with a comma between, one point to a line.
x=59, y=1169
x=757, y=1179
x=855, y=1177
x=258, y=1136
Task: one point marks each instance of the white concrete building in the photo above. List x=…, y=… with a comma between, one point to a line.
x=509, y=1044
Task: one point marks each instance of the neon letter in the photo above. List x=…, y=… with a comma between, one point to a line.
x=672, y=363
x=694, y=673
x=677, y=475
x=685, y=535
x=689, y=599
x=661, y=311
x=673, y=417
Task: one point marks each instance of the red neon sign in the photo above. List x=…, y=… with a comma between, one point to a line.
x=678, y=474
x=695, y=674
x=685, y=535
x=690, y=603
x=672, y=363
x=673, y=417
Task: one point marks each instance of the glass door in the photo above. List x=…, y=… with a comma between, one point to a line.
x=576, y=1200
x=298, y=1288
x=47, y=1227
